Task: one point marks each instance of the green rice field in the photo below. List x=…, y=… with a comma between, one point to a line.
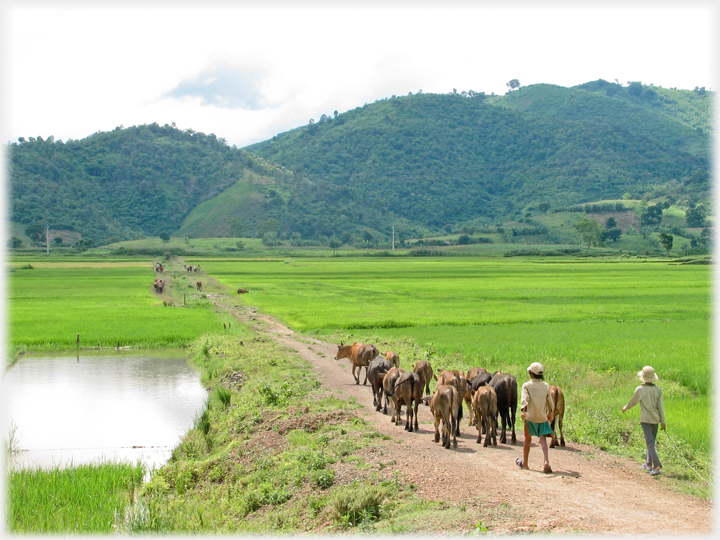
x=594, y=324
x=106, y=303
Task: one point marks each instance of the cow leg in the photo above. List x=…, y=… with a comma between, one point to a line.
x=415, y=415
x=512, y=424
x=504, y=420
x=485, y=422
x=437, y=430
x=364, y=383
x=457, y=429
x=562, y=437
x=493, y=425
x=356, y=377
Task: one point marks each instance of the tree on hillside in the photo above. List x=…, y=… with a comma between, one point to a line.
x=165, y=237
x=14, y=243
x=235, y=227
x=544, y=207
x=589, y=231
x=610, y=223
x=35, y=231
x=652, y=215
x=695, y=217
x=513, y=84
x=667, y=241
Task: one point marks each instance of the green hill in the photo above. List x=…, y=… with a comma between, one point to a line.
x=422, y=163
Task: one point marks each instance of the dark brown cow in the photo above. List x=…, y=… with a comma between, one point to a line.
x=424, y=369
x=376, y=373
x=408, y=392
x=505, y=386
x=389, y=389
x=484, y=403
x=360, y=355
x=558, y=412
x=242, y=291
x=445, y=406
x=198, y=286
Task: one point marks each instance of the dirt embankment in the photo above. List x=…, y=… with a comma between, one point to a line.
x=589, y=491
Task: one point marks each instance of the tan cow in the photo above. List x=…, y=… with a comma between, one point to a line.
x=457, y=379
x=424, y=369
x=470, y=377
x=389, y=389
x=445, y=407
x=558, y=412
x=359, y=354
x=408, y=392
x=393, y=358
x=484, y=403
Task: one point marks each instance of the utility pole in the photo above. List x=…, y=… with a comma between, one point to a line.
x=393, y=237
x=47, y=237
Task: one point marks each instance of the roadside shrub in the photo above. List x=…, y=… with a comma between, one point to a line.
x=323, y=478
x=224, y=395
x=358, y=504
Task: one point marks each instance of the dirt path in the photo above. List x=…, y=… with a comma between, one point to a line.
x=590, y=491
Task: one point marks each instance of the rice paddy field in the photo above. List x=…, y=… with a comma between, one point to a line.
x=593, y=324
x=106, y=302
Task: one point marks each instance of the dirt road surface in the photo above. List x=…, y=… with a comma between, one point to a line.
x=589, y=491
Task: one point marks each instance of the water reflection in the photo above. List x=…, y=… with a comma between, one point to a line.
x=83, y=408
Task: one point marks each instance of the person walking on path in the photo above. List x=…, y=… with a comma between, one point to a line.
x=536, y=406
x=652, y=413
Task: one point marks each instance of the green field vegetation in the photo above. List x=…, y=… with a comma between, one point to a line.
x=105, y=302
x=81, y=499
x=602, y=318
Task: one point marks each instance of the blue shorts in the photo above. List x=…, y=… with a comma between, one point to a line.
x=536, y=430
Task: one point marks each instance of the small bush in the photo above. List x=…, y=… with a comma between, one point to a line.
x=358, y=504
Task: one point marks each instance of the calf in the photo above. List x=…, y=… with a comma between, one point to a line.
x=505, y=386
x=470, y=377
x=457, y=379
x=393, y=358
x=389, y=389
x=445, y=405
x=558, y=412
x=424, y=369
x=408, y=392
x=376, y=372
x=484, y=403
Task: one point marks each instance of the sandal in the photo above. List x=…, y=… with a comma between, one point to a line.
x=547, y=469
x=519, y=462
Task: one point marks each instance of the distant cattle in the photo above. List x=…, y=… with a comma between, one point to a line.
x=360, y=355
x=242, y=291
x=457, y=379
x=198, y=286
x=377, y=369
x=389, y=389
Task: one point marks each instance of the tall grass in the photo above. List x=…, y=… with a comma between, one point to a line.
x=77, y=499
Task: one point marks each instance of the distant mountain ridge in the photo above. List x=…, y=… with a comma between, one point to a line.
x=418, y=163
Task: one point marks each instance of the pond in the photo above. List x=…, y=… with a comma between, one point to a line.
x=81, y=409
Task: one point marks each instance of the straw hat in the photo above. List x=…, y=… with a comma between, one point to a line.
x=647, y=374
x=536, y=368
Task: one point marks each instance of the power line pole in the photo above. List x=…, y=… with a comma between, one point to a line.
x=47, y=237
x=393, y=237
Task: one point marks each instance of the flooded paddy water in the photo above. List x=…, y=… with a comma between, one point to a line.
x=116, y=406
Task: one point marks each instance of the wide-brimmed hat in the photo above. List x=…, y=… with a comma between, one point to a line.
x=647, y=374
x=536, y=368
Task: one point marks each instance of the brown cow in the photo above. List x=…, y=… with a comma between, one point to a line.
x=359, y=354
x=457, y=379
x=558, y=412
x=376, y=372
x=424, y=369
x=242, y=291
x=198, y=286
x=408, y=392
x=484, y=402
x=389, y=388
x=470, y=377
x=393, y=358
x=445, y=406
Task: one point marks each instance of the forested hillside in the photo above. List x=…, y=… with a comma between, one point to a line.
x=419, y=162
x=122, y=184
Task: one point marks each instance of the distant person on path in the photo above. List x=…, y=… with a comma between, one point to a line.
x=652, y=413
x=536, y=406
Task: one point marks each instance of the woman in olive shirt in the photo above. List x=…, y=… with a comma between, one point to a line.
x=652, y=413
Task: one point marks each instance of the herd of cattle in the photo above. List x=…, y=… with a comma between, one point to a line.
x=486, y=395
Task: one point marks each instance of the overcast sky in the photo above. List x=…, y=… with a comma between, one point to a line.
x=246, y=71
